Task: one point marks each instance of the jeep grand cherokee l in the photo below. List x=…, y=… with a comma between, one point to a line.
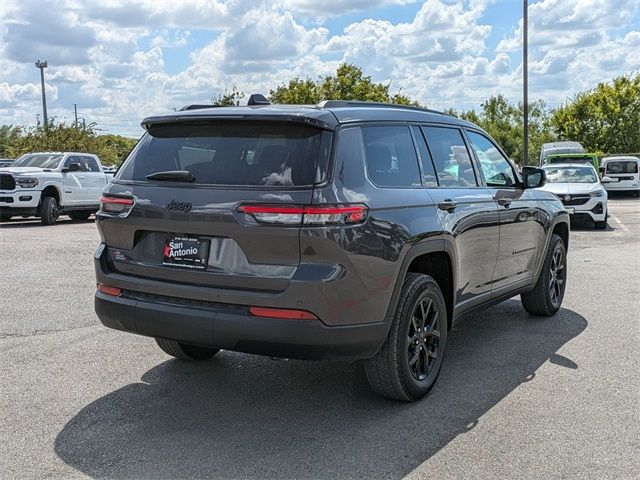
x=345, y=229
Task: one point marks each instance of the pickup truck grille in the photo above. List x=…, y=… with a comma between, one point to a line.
x=7, y=182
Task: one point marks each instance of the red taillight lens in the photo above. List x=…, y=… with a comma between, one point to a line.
x=107, y=290
x=115, y=205
x=282, y=313
x=308, y=214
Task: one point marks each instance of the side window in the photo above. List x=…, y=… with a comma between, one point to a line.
x=391, y=157
x=496, y=169
x=450, y=157
x=68, y=161
x=428, y=171
x=91, y=164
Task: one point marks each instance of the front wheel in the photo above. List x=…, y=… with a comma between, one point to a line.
x=49, y=211
x=184, y=351
x=408, y=364
x=546, y=297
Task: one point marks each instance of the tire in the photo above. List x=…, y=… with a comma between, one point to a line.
x=408, y=364
x=5, y=217
x=184, y=351
x=80, y=214
x=546, y=297
x=49, y=211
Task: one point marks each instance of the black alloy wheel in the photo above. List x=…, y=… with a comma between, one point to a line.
x=423, y=339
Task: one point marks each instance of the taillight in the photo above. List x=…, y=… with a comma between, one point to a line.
x=282, y=313
x=115, y=205
x=108, y=290
x=307, y=215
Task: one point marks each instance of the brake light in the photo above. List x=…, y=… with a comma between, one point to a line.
x=107, y=290
x=282, y=313
x=117, y=205
x=307, y=214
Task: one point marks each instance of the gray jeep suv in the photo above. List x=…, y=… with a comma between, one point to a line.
x=344, y=229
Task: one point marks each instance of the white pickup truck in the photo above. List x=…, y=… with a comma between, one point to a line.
x=49, y=184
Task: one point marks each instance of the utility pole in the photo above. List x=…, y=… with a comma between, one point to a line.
x=75, y=111
x=525, y=78
x=42, y=66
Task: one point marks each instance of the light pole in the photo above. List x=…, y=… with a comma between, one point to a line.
x=42, y=66
x=525, y=75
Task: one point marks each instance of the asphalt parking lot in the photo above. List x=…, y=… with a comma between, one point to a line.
x=518, y=397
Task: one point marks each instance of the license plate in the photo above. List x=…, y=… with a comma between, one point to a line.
x=186, y=252
x=570, y=210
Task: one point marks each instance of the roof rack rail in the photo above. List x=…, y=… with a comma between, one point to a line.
x=361, y=103
x=196, y=107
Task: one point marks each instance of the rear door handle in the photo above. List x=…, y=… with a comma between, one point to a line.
x=448, y=205
x=504, y=201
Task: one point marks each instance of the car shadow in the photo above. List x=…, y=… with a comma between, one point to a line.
x=35, y=222
x=240, y=416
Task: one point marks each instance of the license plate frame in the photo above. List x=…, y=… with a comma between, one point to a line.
x=185, y=251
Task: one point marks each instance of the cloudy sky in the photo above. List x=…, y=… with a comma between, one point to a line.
x=120, y=60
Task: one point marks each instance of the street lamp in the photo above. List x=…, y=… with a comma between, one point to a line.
x=525, y=79
x=42, y=66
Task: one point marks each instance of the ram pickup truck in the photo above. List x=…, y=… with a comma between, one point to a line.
x=50, y=184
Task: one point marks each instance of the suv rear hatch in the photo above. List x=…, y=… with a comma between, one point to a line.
x=213, y=202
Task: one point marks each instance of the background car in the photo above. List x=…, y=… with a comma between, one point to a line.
x=5, y=162
x=624, y=172
x=580, y=190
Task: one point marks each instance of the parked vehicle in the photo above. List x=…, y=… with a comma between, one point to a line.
x=581, y=191
x=342, y=230
x=5, y=162
x=589, y=158
x=624, y=174
x=556, y=148
x=49, y=184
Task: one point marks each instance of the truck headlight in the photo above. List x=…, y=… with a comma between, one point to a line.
x=27, y=182
x=598, y=193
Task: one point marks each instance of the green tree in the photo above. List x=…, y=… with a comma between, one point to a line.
x=8, y=135
x=349, y=83
x=605, y=119
x=228, y=99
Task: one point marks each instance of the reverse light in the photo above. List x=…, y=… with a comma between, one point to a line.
x=115, y=205
x=282, y=313
x=26, y=182
x=317, y=215
x=108, y=290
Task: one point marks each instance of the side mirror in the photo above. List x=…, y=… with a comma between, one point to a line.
x=73, y=167
x=534, y=177
x=606, y=180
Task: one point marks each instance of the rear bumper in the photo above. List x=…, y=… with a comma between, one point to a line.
x=238, y=330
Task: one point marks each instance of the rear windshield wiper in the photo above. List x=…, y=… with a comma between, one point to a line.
x=172, y=176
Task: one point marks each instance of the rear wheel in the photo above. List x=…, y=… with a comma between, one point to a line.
x=185, y=351
x=408, y=364
x=49, y=211
x=80, y=214
x=546, y=297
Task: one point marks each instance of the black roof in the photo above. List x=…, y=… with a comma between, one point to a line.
x=327, y=114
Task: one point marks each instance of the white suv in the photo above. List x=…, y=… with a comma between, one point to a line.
x=48, y=184
x=580, y=190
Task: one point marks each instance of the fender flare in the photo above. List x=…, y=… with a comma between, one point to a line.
x=560, y=217
x=443, y=244
x=54, y=185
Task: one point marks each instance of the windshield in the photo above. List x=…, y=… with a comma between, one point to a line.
x=571, y=159
x=571, y=174
x=622, y=167
x=230, y=153
x=44, y=160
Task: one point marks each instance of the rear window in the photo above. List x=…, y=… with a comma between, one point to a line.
x=622, y=167
x=570, y=159
x=242, y=154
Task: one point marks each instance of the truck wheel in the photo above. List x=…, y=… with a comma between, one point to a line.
x=80, y=214
x=49, y=211
x=184, y=351
x=546, y=297
x=408, y=364
x=5, y=217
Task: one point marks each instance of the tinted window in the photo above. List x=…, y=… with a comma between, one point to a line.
x=622, y=167
x=269, y=154
x=428, y=171
x=496, y=169
x=450, y=157
x=91, y=164
x=391, y=157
